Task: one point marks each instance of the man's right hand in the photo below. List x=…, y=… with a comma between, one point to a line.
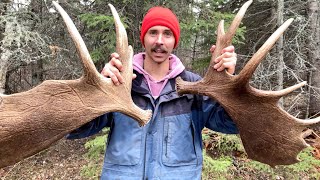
x=113, y=68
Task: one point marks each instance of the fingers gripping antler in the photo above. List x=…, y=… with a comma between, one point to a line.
x=268, y=133
x=31, y=121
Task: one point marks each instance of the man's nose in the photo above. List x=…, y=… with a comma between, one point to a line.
x=160, y=39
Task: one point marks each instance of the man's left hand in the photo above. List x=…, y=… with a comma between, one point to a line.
x=227, y=59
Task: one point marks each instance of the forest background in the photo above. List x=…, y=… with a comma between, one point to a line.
x=35, y=46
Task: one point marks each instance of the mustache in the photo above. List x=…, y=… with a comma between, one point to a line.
x=159, y=47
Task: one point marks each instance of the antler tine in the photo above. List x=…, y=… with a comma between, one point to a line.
x=308, y=122
x=224, y=40
x=282, y=92
x=253, y=63
x=89, y=67
x=123, y=49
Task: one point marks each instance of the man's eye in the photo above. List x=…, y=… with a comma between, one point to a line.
x=153, y=32
x=168, y=33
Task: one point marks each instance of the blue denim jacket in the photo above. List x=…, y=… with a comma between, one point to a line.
x=170, y=145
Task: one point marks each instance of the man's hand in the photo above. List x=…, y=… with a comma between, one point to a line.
x=227, y=59
x=113, y=68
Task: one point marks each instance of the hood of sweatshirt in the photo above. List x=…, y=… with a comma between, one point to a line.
x=156, y=86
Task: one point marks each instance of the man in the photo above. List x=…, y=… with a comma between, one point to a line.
x=170, y=145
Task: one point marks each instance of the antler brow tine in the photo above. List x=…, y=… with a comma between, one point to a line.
x=89, y=67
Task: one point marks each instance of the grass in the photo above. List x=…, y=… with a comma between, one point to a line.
x=96, y=149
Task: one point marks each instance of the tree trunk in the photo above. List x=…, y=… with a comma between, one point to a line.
x=139, y=13
x=5, y=52
x=280, y=49
x=5, y=55
x=314, y=55
x=36, y=6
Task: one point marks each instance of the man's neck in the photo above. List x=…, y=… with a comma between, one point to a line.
x=157, y=70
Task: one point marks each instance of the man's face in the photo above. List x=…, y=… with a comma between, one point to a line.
x=159, y=43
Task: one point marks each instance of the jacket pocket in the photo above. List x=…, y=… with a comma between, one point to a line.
x=124, y=142
x=178, y=142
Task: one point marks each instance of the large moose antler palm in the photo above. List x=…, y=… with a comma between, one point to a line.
x=31, y=121
x=269, y=134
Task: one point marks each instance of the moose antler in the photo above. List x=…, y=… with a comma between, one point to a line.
x=31, y=121
x=269, y=134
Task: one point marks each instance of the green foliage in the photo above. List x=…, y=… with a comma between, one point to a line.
x=307, y=165
x=203, y=25
x=101, y=34
x=220, y=166
x=96, y=148
x=91, y=171
x=224, y=143
x=228, y=143
x=306, y=168
x=255, y=165
x=206, y=136
x=201, y=64
x=215, y=168
x=198, y=31
x=97, y=20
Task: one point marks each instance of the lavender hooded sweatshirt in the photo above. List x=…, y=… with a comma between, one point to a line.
x=156, y=86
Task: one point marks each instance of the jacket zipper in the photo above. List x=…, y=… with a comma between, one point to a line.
x=153, y=102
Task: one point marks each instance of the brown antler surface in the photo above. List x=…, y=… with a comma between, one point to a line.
x=31, y=121
x=269, y=134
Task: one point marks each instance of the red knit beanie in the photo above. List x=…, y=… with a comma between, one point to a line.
x=160, y=16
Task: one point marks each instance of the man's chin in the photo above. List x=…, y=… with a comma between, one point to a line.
x=160, y=58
